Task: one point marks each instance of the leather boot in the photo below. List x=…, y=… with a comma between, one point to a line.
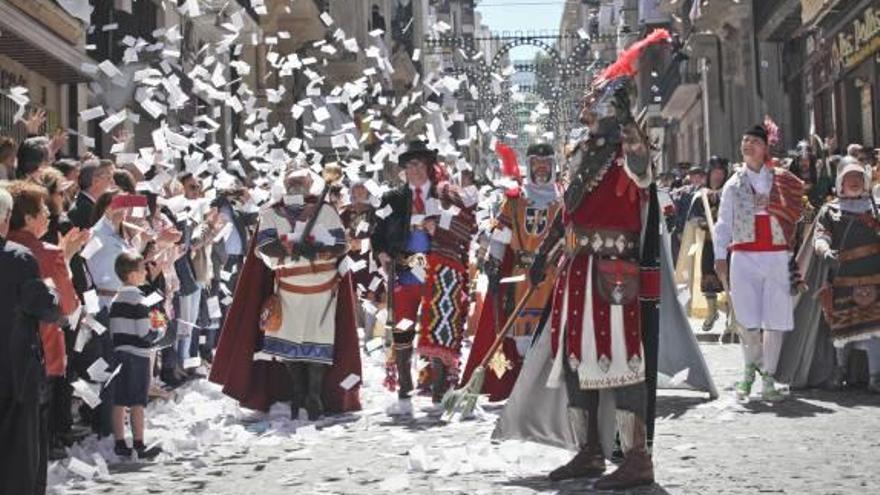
x=637, y=468
x=439, y=382
x=589, y=461
x=298, y=379
x=314, y=397
x=403, y=359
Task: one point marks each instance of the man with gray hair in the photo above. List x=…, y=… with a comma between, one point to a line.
x=95, y=178
x=28, y=301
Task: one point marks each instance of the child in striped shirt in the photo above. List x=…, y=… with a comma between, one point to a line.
x=135, y=328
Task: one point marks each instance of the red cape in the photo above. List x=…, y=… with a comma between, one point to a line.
x=259, y=384
x=497, y=388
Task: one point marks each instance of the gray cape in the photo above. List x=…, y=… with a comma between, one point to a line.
x=807, y=356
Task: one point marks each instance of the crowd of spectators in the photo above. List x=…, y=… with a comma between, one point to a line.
x=74, y=234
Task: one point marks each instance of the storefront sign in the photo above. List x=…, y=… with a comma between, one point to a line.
x=858, y=40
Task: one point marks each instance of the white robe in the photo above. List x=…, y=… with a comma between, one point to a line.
x=308, y=320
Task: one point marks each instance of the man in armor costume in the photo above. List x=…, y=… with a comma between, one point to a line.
x=291, y=333
x=760, y=207
x=848, y=237
x=603, y=319
x=524, y=220
x=424, y=242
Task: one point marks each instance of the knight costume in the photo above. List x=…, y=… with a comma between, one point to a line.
x=524, y=220
x=604, y=319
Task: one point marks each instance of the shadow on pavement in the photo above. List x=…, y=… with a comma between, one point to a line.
x=671, y=407
x=792, y=407
x=848, y=397
x=542, y=484
x=129, y=467
x=414, y=424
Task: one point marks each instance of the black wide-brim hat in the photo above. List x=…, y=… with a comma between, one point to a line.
x=417, y=149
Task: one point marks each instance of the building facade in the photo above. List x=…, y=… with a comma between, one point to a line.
x=43, y=49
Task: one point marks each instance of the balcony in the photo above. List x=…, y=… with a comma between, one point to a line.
x=42, y=37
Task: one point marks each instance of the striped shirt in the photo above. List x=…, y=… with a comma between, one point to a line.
x=131, y=323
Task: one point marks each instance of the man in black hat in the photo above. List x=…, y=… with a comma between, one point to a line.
x=398, y=240
x=760, y=205
x=427, y=259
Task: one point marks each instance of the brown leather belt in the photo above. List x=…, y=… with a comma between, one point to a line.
x=306, y=270
x=309, y=289
x=859, y=252
x=606, y=243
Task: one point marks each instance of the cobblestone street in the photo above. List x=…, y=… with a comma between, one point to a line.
x=815, y=442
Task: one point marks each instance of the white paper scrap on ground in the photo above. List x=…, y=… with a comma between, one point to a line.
x=81, y=469
x=193, y=362
x=101, y=465
x=395, y=483
x=417, y=459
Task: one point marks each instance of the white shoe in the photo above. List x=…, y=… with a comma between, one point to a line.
x=252, y=416
x=435, y=409
x=400, y=407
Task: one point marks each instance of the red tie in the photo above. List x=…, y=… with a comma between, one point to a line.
x=419, y=203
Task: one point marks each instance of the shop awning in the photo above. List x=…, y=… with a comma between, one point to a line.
x=29, y=43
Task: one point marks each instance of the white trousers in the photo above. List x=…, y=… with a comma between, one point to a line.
x=761, y=290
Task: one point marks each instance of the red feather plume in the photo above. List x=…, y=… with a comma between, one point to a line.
x=626, y=61
x=509, y=163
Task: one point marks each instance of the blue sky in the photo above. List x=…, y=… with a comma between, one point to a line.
x=522, y=15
